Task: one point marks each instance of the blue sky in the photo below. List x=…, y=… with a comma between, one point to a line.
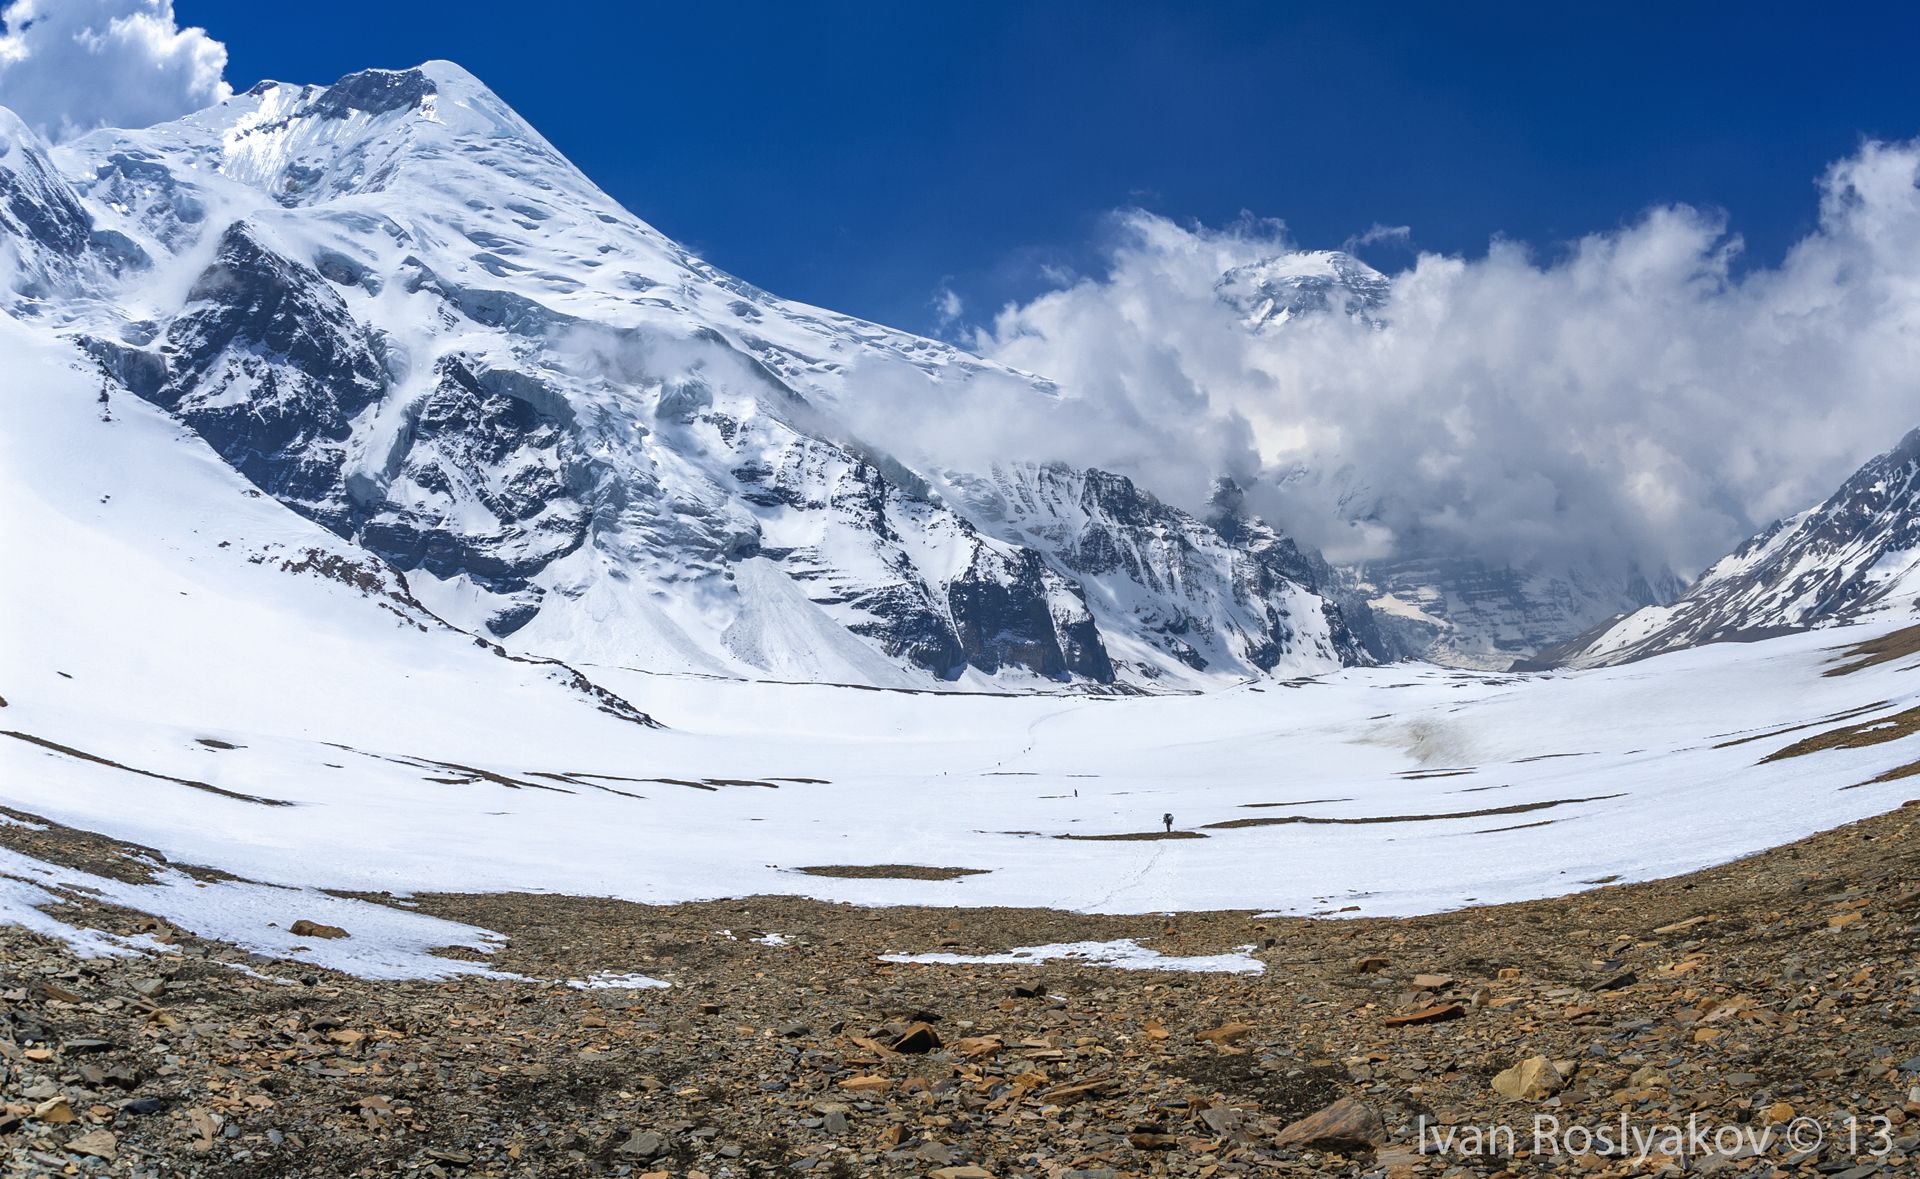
x=857, y=155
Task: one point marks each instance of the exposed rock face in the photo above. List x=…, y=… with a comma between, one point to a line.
x=1226, y=595
x=1270, y=561
x=54, y=246
x=373, y=92
x=268, y=365
x=1853, y=557
x=421, y=327
x=483, y=481
x=36, y=204
x=1010, y=610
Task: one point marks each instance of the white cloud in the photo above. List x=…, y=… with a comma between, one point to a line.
x=68, y=66
x=1636, y=397
x=1057, y=275
x=1400, y=235
x=947, y=305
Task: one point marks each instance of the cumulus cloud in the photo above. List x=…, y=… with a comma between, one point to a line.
x=1635, y=397
x=68, y=66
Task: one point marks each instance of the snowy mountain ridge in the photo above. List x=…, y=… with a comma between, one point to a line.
x=1276, y=290
x=1853, y=558
x=395, y=308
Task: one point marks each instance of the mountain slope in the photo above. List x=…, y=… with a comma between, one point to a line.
x=1854, y=557
x=1225, y=595
x=149, y=584
x=394, y=307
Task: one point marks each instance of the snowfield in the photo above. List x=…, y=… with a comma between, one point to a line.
x=172, y=681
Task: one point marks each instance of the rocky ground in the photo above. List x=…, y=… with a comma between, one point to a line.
x=1770, y=1001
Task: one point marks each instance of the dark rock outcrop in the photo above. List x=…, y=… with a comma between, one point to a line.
x=267, y=364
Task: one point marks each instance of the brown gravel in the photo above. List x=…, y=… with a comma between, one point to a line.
x=1780, y=986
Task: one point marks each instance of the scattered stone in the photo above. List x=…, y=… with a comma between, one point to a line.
x=100, y=1144
x=1152, y=1140
x=1224, y=1120
x=1648, y=1076
x=54, y=1111
x=1226, y=1033
x=1438, y=1013
x=1348, y=1124
x=81, y=1047
x=1530, y=1080
x=1076, y=1091
x=643, y=1144
x=974, y=1047
x=1682, y=926
x=918, y=1039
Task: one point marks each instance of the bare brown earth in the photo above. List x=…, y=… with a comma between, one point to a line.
x=1134, y=836
x=1779, y=987
x=890, y=872
x=1873, y=732
x=1885, y=649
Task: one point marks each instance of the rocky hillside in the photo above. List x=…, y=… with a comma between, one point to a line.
x=1768, y=1002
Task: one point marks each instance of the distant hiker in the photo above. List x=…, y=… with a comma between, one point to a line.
x=1168, y=820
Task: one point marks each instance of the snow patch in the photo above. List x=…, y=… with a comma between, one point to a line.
x=609, y=981
x=1124, y=954
x=382, y=943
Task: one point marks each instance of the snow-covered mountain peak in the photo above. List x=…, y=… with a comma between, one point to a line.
x=394, y=307
x=1286, y=286
x=369, y=130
